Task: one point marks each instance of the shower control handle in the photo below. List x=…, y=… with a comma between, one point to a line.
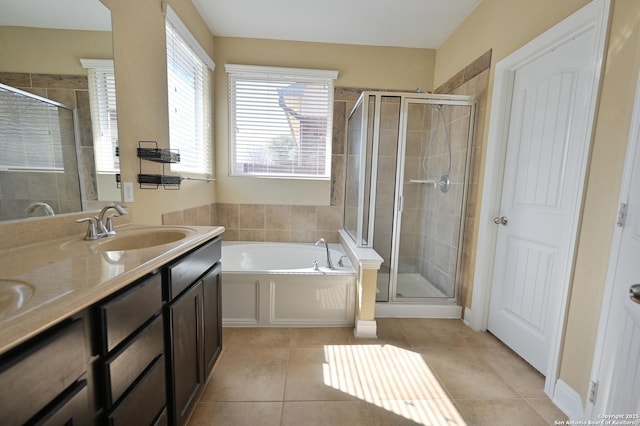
x=501, y=220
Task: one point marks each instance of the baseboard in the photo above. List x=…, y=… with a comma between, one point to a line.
x=417, y=310
x=568, y=401
x=365, y=329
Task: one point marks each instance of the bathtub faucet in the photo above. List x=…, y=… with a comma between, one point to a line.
x=326, y=246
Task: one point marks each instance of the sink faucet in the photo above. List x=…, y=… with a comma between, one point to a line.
x=46, y=207
x=326, y=246
x=107, y=228
x=97, y=228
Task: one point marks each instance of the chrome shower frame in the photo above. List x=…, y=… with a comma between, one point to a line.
x=368, y=176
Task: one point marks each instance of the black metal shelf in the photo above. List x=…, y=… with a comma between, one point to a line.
x=151, y=152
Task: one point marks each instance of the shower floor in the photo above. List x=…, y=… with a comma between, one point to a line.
x=415, y=285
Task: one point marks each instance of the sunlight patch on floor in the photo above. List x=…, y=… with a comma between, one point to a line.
x=392, y=378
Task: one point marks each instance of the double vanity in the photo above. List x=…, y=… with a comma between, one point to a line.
x=122, y=330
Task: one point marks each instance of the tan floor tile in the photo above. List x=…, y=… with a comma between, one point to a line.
x=236, y=413
x=547, y=410
x=525, y=380
x=498, y=413
x=464, y=375
x=313, y=337
x=248, y=375
x=325, y=413
x=391, y=373
x=312, y=376
x=389, y=332
x=428, y=333
x=260, y=338
x=415, y=412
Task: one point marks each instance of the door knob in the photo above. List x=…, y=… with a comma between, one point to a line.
x=634, y=293
x=501, y=220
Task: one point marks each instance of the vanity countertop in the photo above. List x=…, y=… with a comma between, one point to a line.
x=43, y=283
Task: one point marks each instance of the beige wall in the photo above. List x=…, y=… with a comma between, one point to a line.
x=358, y=66
x=47, y=51
x=141, y=88
x=603, y=183
x=505, y=26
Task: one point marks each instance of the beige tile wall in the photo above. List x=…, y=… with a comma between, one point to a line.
x=473, y=80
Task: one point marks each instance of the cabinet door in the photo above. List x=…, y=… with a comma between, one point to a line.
x=212, y=288
x=186, y=358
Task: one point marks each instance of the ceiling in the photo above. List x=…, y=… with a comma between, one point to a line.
x=401, y=23
x=60, y=14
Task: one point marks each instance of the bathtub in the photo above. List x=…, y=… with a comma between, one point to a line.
x=276, y=285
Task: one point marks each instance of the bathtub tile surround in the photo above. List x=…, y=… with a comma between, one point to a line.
x=291, y=376
x=264, y=222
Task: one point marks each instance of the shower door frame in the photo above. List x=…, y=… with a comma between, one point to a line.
x=427, y=99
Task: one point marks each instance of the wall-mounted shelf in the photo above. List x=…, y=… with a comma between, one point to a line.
x=149, y=151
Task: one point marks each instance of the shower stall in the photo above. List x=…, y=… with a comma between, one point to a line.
x=407, y=178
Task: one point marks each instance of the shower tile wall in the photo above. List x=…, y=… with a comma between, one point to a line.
x=439, y=229
x=473, y=80
x=18, y=189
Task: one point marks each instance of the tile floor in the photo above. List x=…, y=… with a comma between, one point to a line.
x=418, y=372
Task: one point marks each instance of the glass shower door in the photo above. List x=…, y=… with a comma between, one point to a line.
x=432, y=174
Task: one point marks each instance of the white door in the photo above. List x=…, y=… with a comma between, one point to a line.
x=547, y=145
x=619, y=375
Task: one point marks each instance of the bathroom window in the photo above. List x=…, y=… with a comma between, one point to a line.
x=104, y=120
x=280, y=121
x=189, y=89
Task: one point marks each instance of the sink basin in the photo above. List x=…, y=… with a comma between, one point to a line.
x=13, y=295
x=140, y=240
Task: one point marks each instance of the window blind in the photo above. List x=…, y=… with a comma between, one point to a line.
x=280, y=121
x=30, y=132
x=104, y=120
x=189, y=89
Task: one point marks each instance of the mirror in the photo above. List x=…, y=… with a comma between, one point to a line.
x=41, y=45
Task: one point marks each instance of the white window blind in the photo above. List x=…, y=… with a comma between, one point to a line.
x=188, y=77
x=280, y=121
x=30, y=132
x=104, y=120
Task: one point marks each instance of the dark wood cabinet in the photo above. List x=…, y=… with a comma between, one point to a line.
x=129, y=333
x=193, y=326
x=45, y=379
x=185, y=352
x=212, y=299
x=137, y=357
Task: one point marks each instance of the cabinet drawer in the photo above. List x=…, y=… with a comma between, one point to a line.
x=124, y=314
x=72, y=409
x=41, y=372
x=126, y=365
x=145, y=401
x=185, y=271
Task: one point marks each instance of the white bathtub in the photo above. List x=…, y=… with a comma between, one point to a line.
x=275, y=284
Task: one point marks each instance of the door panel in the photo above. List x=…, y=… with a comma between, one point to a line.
x=619, y=372
x=544, y=168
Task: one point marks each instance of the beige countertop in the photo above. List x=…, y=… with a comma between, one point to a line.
x=50, y=281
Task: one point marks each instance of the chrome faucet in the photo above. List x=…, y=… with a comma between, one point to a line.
x=97, y=227
x=108, y=228
x=326, y=246
x=46, y=207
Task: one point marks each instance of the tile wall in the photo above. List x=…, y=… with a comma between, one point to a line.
x=19, y=189
x=473, y=80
